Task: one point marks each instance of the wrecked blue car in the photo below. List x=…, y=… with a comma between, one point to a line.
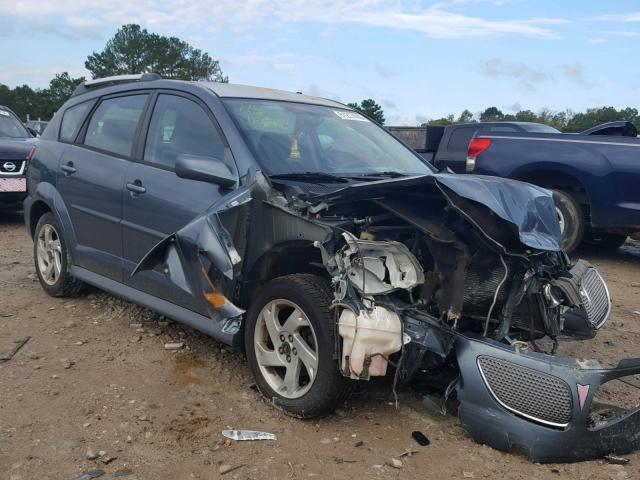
x=299, y=230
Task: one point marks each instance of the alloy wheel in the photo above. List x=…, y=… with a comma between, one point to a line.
x=286, y=348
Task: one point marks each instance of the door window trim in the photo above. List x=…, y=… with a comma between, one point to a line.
x=81, y=137
x=146, y=123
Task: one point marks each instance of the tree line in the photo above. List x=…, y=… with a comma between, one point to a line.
x=564, y=120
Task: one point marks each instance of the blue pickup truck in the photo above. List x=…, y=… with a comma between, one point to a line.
x=595, y=175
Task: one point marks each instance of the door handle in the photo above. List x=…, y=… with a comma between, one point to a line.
x=136, y=187
x=68, y=168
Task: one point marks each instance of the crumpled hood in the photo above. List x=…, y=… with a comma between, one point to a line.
x=529, y=208
x=15, y=148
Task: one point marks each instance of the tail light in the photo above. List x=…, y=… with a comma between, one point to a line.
x=476, y=147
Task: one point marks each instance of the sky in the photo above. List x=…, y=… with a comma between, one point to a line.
x=420, y=60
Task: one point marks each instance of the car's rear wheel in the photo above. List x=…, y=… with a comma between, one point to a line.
x=571, y=218
x=610, y=241
x=290, y=345
x=51, y=258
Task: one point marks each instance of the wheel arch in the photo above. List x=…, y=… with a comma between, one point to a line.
x=289, y=257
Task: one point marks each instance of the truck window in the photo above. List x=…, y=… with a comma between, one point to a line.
x=460, y=138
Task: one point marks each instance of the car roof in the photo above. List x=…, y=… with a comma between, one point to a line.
x=231, y=90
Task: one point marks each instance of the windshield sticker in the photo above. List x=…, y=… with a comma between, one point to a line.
x=5, y=113
x=350, y=116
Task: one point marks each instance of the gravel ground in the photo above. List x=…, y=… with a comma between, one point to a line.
x=95, y=388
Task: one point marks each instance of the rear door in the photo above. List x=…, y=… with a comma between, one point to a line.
x=157, y=203
x=91, y=176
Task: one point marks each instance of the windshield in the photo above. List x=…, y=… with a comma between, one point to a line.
x=11, y=127
x=288, y=137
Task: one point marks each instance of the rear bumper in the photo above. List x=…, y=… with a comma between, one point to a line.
x=539, y=404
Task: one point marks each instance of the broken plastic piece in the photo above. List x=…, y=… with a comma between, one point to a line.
x=421, y=438
x=376, y=268
x=368, y=339
x=244, y=435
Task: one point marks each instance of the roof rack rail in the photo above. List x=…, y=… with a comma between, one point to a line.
x=113, y=80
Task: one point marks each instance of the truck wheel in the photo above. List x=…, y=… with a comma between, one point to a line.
x=610, y=241
x=571, y=218
x=290, y=345
x=51, y=258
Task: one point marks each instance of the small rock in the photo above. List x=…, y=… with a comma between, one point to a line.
x=173, y=346
x=86, y=425
x=224, y=468
x=91, y=455
x=468, y=475
x=80, y=343
x=69, y=324
x=88, y=475
x=107, y=460
x=135, y=325
x=136, y=338
x=358, y=444
x=129, y=439
x=325, y=441
x=125, y=472
x=395, y=463
x=102, y=453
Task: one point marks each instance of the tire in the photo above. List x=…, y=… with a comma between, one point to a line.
x=610, y=241
x=312, y=296
x=571, y=219
x=51, y=259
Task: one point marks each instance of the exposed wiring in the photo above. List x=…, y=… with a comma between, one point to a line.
x=495, y=295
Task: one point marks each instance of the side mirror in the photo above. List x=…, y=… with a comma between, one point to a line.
x=205, y=169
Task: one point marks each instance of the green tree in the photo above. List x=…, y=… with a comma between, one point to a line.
x=596, y=116
x=371, y=109
x=60, y=89
x=526, y=116
x=448, y=120
x=491, y=114
x=135, y=50
x=465, y=117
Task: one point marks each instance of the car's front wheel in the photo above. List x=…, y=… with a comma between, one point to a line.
x=51, y=259
x=290, y=345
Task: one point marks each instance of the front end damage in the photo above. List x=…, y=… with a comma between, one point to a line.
x=457, y=282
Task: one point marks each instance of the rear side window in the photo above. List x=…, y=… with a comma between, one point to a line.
x=71, y=121
x=180, y=126
x=112, y=127
x=460, y=138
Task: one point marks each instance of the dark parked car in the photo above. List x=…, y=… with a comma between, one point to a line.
x=297, y=229
x=16, y=147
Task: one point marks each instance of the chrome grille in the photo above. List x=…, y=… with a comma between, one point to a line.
x=595, y=297
x=12, y=167
x=532, y=394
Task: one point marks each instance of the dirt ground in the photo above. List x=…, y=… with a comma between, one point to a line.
x=95, y=378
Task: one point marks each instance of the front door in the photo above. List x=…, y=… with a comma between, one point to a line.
x=158, y=203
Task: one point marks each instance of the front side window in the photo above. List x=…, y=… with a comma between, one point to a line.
x=11, y=127
x=288, y=137
x=180, y=126
x=71, y=121
x=112, y=127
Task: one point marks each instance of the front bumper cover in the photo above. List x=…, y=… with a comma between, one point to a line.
x=539, y=404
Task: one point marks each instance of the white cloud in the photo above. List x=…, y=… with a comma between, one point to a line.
x=621, y=17
x=597, y=40
x=436, y=21
x=622, y=33
x=530, y=77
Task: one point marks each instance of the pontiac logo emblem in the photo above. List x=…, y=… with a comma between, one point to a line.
x=583, y=393
x=9, y=166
